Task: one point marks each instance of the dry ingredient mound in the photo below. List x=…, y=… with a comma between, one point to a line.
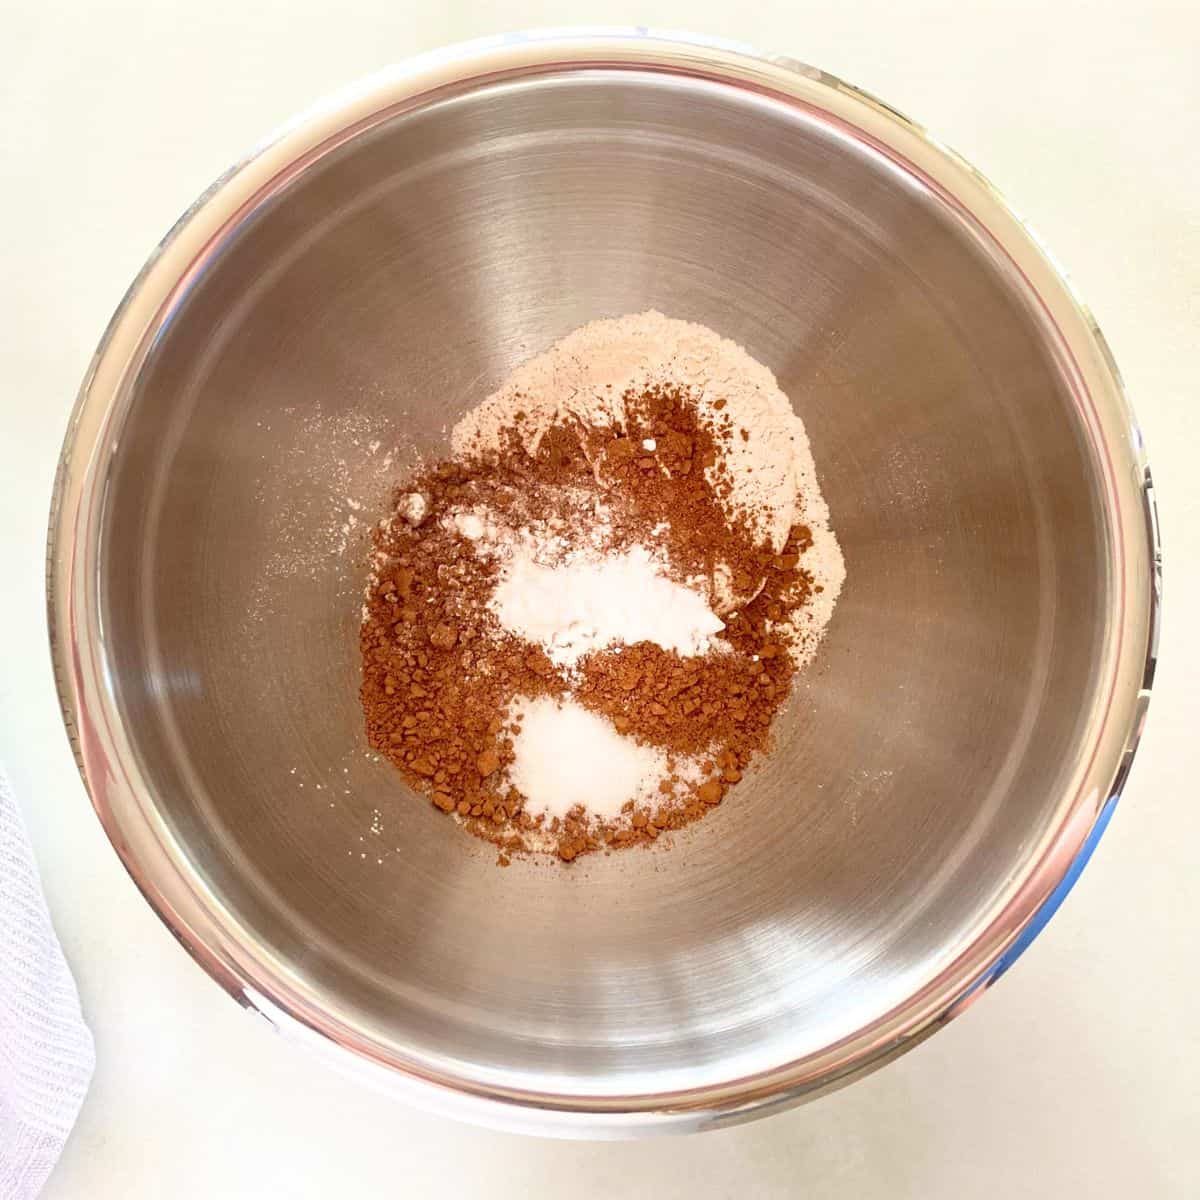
x=578, y=628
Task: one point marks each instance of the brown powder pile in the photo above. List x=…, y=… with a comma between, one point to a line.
x=440, y=675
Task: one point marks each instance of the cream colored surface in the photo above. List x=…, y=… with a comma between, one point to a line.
x=1077, y=1074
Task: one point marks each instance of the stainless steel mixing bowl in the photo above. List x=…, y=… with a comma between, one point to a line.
x=322, y=315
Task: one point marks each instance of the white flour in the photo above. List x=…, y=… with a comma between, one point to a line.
x=586, y=375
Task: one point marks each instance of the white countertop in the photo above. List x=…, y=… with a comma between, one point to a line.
x=1078, y=1074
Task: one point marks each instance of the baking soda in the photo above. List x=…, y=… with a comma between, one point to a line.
x=587, y=605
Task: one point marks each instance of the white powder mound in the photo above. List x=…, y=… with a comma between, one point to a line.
x=567, y=757
x=574, y=608
x=586, y=375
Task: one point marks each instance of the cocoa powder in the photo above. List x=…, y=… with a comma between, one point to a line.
x=440, y=674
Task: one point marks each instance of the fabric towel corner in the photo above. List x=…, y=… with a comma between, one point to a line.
x=46, y=1050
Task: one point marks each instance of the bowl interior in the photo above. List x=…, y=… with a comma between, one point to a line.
x=338, y=333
